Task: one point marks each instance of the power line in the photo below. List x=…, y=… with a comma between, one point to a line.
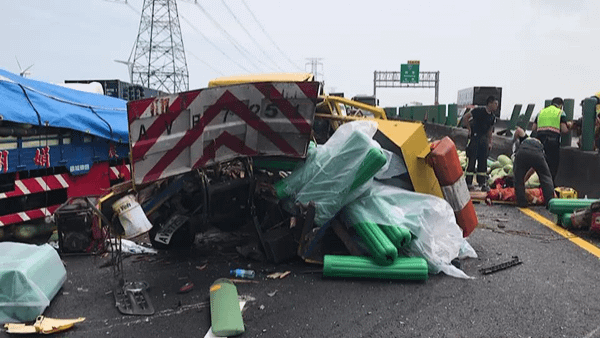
x=269, y=37
x=205, y=63
x=213, y=44
x=250, y=35
x=236, y=44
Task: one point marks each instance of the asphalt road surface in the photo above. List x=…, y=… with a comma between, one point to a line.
x=553, y=293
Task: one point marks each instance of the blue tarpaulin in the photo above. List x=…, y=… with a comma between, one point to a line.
x=39, y=103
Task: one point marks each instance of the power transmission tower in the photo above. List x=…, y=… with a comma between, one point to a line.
x=315, y=64
x=159, y=58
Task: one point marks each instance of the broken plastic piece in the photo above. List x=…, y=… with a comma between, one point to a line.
x=187, y=287
x=43, y=325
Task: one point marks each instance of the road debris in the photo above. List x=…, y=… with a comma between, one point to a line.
x=278, y=275
x=43, y=325
x=501, y=266
x=187, y=287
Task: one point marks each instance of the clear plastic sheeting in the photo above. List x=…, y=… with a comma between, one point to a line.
x=30, y=276
x=430, y=219
x=335, y=173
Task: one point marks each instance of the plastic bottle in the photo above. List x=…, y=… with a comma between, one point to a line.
x=241, y=273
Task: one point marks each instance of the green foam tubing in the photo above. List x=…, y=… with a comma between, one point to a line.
x=373, y=161
x=565, y=220
x=398, y=235
x=561, y=206
x=384, y=252
x=403, y=268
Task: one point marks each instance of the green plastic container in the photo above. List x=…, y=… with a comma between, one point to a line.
x=225, y=314
x=398, y=235
x=384, y=252
x=403, y=268
x=561, y=206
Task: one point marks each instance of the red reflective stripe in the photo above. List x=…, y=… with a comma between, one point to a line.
x=135, y=109
x=159, y=126
x=291, y=112
x=228, y=140
x=32, y=214
x=310, y=89
x=226, y=101
x=53, y=182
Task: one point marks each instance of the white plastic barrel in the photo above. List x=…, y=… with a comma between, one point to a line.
x=132, y=216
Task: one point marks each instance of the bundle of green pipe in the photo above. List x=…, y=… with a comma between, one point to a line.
x=403, y=268
x=563, y=208
x=383, y=241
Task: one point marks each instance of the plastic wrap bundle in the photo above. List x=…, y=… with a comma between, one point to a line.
x=30, y=276
x=430, y=219
x=336, y=172
x=404, y=268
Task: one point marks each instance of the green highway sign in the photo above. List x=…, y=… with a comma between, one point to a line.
x=409, y=73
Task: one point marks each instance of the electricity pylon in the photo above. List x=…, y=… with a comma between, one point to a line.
x=159, y=58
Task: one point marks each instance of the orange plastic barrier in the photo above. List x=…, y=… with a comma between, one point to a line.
x=446, y=165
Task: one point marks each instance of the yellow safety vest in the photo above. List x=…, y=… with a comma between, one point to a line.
x=549, y=119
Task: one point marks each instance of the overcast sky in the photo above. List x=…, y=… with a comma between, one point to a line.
x=534, y=50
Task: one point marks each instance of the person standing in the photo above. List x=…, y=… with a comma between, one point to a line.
x=549, y=124
x=529, y=158
x=480, y=123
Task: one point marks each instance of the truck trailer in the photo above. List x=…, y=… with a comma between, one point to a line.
x=476, y=96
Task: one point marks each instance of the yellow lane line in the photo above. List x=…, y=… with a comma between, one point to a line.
x=585, y=245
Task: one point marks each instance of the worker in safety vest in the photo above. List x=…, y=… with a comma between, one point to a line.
x=480, y=122
x=549, y=124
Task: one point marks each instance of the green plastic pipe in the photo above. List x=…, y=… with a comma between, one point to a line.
x=403, y=268
x=565, y=220
x=560, y=206
x=384, y=252
x=399, y=235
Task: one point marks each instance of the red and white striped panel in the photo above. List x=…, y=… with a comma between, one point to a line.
x=28, y=215
x=175, y=134
x=38, y=184
x=120, y=171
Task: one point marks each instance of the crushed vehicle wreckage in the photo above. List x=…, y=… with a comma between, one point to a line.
x=248, y=153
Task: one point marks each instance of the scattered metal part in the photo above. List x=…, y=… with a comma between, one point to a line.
x=501, y=266
x=132, y=299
